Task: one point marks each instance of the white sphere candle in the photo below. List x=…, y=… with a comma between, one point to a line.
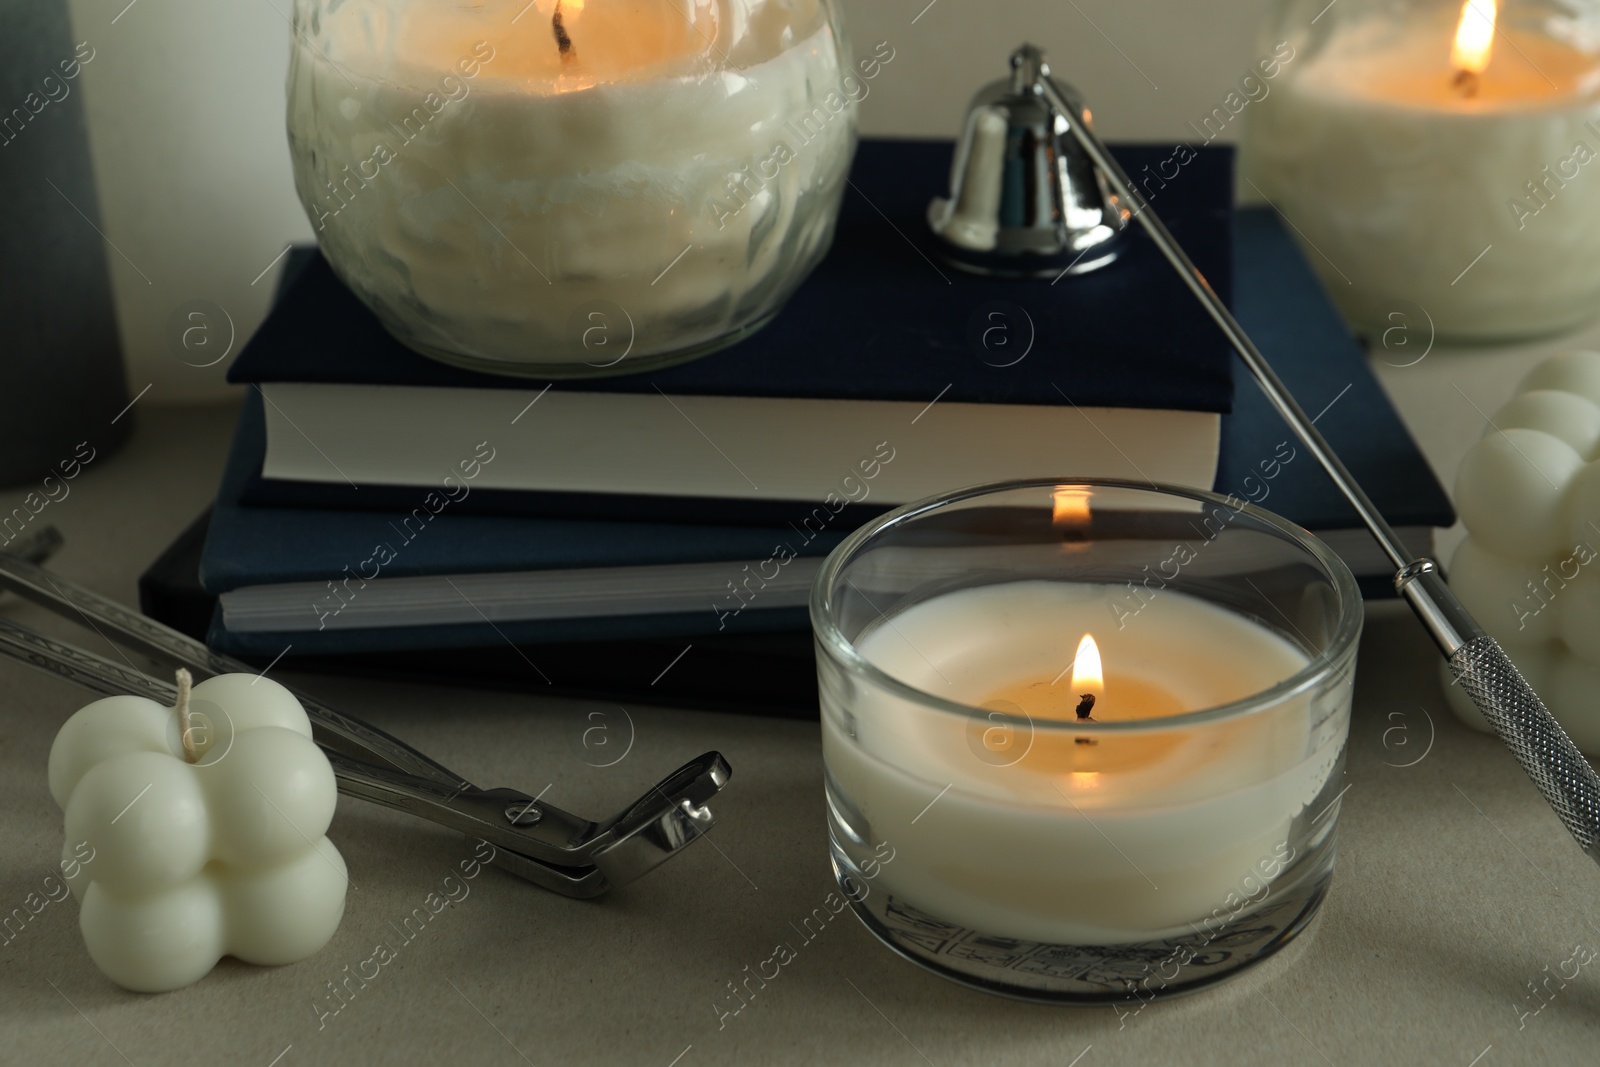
x=1129, y=837
x=1529, y=495
x=1440, y=161
x=226, y=855
x=544, y=187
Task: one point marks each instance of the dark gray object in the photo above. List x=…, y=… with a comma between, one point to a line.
x=61, y=377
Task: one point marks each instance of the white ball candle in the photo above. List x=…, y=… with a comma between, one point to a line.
x=1458, y=179
x=559, y=187
x=1130, y=838
x=1529, y=495
x=226, y=855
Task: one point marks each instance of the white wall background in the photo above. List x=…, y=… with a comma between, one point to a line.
x=185, y=101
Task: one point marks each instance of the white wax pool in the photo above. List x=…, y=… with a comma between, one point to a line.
x=1129, y=854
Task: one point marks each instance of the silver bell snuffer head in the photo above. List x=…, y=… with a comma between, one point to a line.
x=1025, y=199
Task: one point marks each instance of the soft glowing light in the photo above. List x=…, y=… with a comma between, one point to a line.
x=1070, y=507
x=1474, y=36
x=1087, y=674
x=577, y=44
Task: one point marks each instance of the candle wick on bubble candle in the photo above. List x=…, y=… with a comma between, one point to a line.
x=185, y=732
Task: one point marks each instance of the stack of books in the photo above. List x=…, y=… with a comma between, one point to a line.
x=379, y=507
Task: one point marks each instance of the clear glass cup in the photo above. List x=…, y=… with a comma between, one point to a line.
x=1182, y=831
x=1434, y=199
x=571, y=189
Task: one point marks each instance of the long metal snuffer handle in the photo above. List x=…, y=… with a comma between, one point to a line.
x=1482, y=667
x=533, y=839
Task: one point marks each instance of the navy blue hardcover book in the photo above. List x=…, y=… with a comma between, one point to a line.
x=342, y=550
x=881, y=319
x=772, y=673
x=1279, y=301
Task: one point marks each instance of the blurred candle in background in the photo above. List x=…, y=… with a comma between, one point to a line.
x=1440, y=155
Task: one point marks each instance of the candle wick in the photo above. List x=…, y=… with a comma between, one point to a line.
x=563, y=39
x=1085, y=706
x=185, y=733
x=1466, y=83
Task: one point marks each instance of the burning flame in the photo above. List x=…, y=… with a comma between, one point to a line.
x=1474, y=36
x=1087, y=674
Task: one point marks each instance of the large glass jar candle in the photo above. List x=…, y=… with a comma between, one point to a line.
x=1084, y=742
x=569, y=188
x=1436, y=158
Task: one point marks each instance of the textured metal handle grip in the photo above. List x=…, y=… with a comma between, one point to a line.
x=1533, y=735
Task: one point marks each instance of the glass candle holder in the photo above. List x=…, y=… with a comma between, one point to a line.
x=1435, y=157
x=572, y=188
x=1084, y=742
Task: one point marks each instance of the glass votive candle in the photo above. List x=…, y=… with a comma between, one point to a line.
x=1435, y=157
x=572, y=188
x=1084, y=742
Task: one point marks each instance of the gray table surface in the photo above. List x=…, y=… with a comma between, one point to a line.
x=1456, y=888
